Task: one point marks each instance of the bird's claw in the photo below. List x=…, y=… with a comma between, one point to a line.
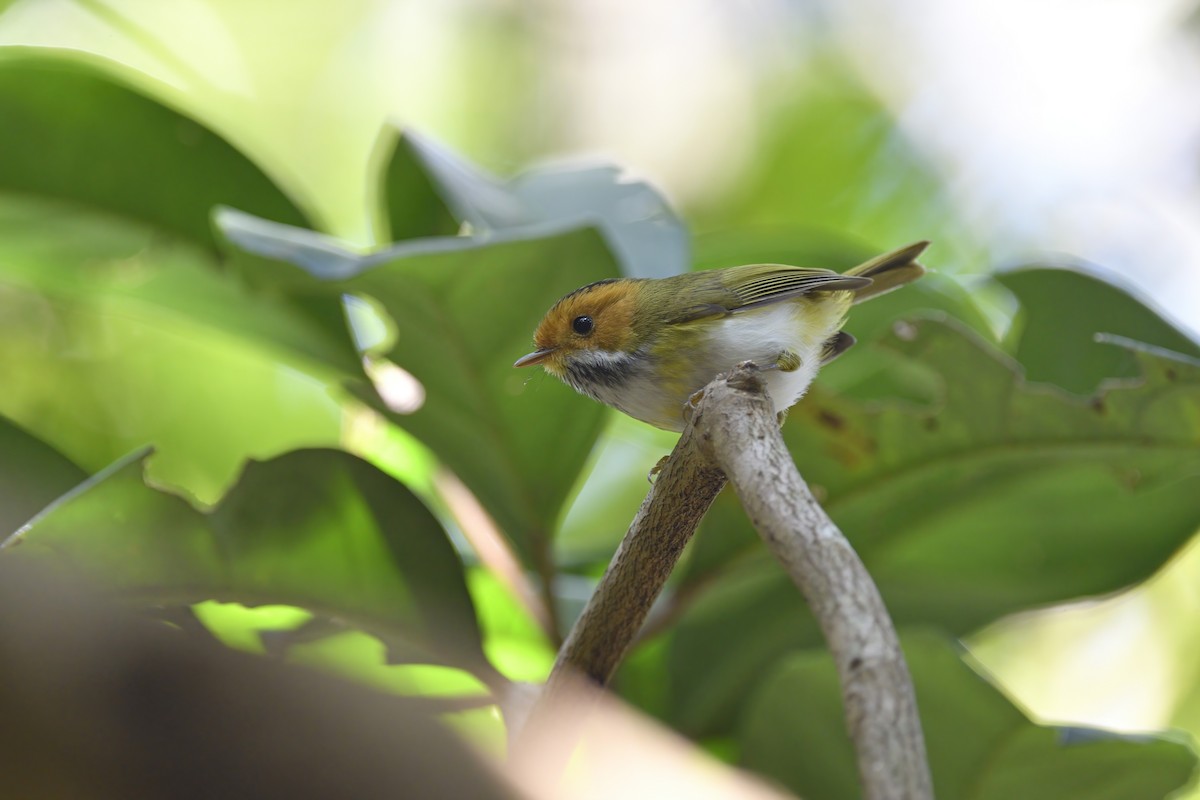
x=657, y=468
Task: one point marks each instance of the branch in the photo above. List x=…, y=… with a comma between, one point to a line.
x=684, y=489
x=734, y=432
x=738, y=425
x=678, y=500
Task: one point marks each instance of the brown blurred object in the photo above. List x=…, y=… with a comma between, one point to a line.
x=98, y=703
x=612, y=751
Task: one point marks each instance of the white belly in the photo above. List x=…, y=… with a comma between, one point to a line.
x=762, y=334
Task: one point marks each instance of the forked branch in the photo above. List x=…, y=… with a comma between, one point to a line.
x=733, y=433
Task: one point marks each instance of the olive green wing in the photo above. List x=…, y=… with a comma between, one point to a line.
x=755, y=285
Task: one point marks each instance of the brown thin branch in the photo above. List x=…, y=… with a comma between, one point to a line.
x=678, y=500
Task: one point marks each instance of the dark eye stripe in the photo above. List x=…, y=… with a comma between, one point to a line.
x=582, y=325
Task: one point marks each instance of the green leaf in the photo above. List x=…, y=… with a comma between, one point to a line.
x=68, y=252
x=463, y=309
x=980, y=746
x=642, y=230
x=32, y=474
x=113, y=336
x=406, y=204
x=1063, y=310
x=79, y=128
x=318, y=529
x=113, y=309
x=978, y=506
x=517, y=439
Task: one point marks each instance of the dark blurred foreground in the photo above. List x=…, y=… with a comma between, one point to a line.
x=97, y=703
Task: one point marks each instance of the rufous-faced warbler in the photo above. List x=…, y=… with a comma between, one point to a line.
x=645, y=346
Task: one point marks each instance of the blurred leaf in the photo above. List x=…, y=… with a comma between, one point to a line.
x=965, y=511
x=407, y=205
x=980, y=746
x=517, y=439
x=832, y=157
x=1062, y=310
x=318, y=529
x=512, y=639
x=76, y=127
x=32, y=474
x=110, y=342
x=643, y=231
x=65, y=251
x=463, y=310
x=116, y=323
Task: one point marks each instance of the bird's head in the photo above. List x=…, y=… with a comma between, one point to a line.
x=596, y=320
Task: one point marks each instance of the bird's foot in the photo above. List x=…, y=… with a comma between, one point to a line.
x=657, y=468
x=787, y=361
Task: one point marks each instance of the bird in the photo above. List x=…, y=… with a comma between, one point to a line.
x=645, y=346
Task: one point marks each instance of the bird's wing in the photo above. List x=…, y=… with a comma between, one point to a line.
x=755, y=285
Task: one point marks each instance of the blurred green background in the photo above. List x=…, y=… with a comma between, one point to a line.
x=1022, y=133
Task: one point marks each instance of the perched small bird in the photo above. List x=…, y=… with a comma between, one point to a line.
x=645, y=346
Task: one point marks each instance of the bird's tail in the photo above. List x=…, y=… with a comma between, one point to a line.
x=889, y=271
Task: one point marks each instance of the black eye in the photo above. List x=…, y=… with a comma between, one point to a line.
x=582, y=325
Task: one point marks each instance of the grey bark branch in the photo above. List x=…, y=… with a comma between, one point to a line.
x=739, y=430
x=733, y=432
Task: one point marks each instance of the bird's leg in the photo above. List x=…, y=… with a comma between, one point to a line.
x=657, y=468
x=786, y=361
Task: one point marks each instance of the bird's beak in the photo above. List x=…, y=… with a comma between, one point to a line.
x=534, y=358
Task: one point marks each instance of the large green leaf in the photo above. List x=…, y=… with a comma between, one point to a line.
x=113, y=336
x=1063, y=311
x=981, y=747
x=32, y=473
x=642, y=230
x=115, y=316
x=405, y=204
x=69, y=252
x=463, y=309
x=461, y=318
x=319, y=529
x=83, y=129
x=1000, y=496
